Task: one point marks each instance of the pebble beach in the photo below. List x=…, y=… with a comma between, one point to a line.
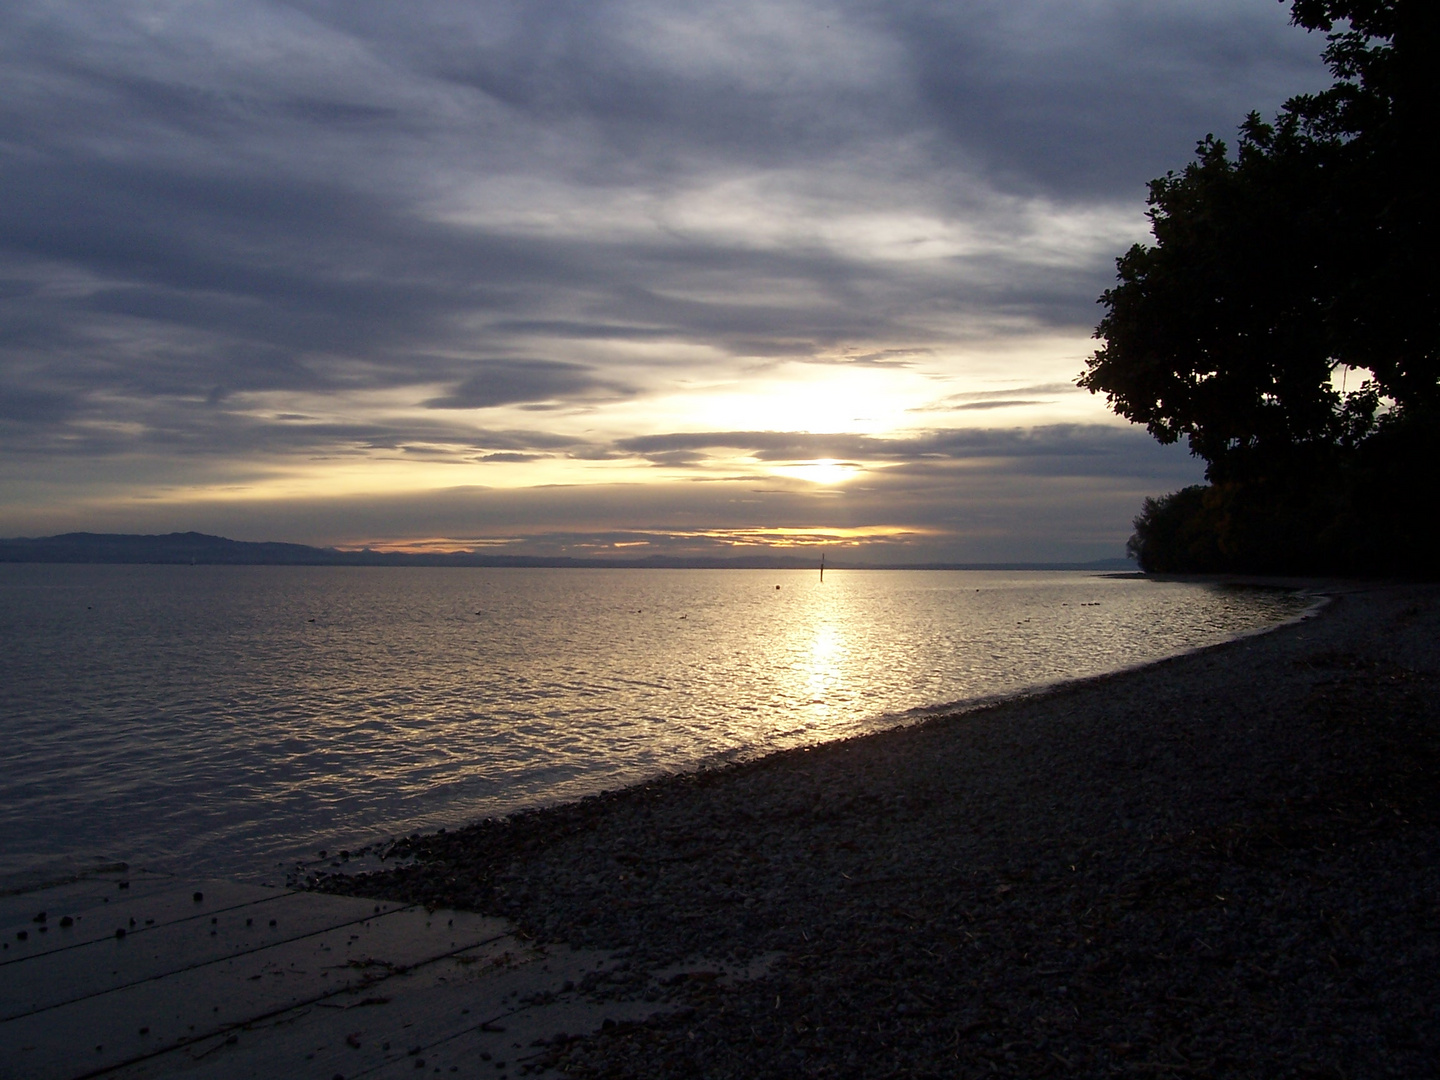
x=1226, y=864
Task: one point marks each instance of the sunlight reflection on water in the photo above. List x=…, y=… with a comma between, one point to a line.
x=218, y=719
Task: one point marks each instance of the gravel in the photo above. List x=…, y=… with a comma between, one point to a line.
x=1220, y=865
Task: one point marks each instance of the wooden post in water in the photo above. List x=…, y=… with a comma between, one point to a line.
x=822, y=566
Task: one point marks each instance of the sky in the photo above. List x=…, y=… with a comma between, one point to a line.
x=594, y=279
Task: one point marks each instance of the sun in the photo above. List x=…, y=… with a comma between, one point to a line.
x=825, y=471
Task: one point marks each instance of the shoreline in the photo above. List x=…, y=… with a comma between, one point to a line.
x=363, y=858
x=1321, y=591
x=1220, y=863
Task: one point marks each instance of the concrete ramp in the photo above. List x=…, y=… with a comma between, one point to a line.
x=121, y=974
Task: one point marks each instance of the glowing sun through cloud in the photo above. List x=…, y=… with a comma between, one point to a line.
x=825, y=471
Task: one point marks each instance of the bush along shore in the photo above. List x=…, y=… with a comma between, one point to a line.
x=1221, y=865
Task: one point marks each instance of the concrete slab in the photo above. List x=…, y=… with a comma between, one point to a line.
x=471, y=1019
x=71, y=893
x=128, y=1007
x=71, y=921
x=211, y=989
x=146, y=952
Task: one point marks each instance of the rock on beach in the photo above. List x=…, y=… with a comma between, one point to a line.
x=1226, y=864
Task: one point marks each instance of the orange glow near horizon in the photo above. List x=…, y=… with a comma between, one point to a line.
x=772, y=538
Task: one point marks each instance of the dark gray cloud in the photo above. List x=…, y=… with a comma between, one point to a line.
x=1099, y=448
x=993, y=395
x=529, y=382
x=996, y=403
x=1091, y=99
x=1071, y=98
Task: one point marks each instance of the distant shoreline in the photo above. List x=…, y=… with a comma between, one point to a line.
x=200, y=549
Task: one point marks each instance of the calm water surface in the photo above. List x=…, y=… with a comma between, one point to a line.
x=226, y=719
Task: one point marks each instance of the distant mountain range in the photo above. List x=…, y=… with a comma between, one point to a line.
x=201, y=549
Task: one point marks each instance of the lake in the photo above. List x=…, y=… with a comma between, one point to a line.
x=230, y=720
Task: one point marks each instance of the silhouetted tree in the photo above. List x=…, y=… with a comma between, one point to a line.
x=1218, y=331
x=1379, y=124
x=1311, y=249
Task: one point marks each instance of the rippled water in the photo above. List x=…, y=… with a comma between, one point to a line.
x=221, y=719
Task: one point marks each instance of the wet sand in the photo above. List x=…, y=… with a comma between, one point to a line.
x=1226, y=864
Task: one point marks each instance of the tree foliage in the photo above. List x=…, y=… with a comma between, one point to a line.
x=1310, y=251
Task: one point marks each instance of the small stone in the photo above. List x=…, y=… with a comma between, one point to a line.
x=120, y=931
x=199, y=896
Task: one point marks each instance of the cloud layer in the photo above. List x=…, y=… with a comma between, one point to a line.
x=255, y=252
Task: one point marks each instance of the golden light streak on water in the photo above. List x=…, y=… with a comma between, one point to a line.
x=219, y=718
